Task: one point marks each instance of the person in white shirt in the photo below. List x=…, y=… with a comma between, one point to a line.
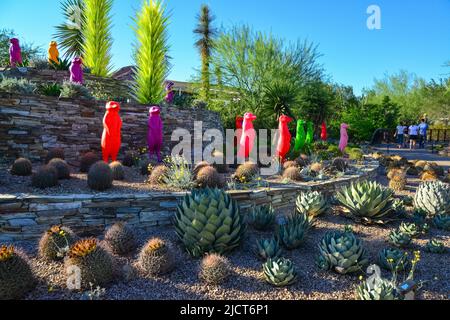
x=413, y=136
x=399, y=134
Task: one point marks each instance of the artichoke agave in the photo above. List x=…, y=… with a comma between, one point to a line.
x=342, y=252
x=433, y=197
x=311, y=203
x=293, y=232
x=268, y=248
x=209, y=221
x=393, y=259
x=279, y=272
x=442, y=221
x=262, y=218
x=366, y=201
x=435, y=246
x=411, y=229
x=379, y=289
x=399, y=239
x=398, y=207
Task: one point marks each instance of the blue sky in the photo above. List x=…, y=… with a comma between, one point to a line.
x=414, y=34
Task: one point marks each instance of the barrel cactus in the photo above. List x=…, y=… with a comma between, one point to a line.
x=268, y=248
x=208, y=177
x=293, y=174
x=156, y=258
x=158, y=175
x=398, y=183
x=214, y=269
x=434, y=246
x=366, y=201
x=121, y=239
x=54, y=153
x=22, y=167
x=209, y=221
x=100, y=176
x=94, y=262
x=246, y=172
x=55, y=242
x=311, y=203
x=61, y=167
x=16, y=277
x=433, y=197
x=378, y=289
x=393, y=259
x=411, y=229
x=87, y=160
x=399, y=239
x=292, y=233
x=262, y=217
x=45, y=177
x=118, y=170
x=280, y=272
x=342, y=252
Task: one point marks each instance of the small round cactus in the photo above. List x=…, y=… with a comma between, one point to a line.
x=316, y=167
x=61, y=167
x=398, y=183
x=22, y=167
x=395, y=172
x=214, y=269
x=87, y=160
x=198, y=167
x=158, y=174
x=55, y=243
x=54, y=153
x=16, y=277
x=100, y=176
x=45, y=177
x=289, y=164
x=120, y=238
x=293, y=174
x=246, y=172
x=117, y=170
x=156, y=258
x=208, y=177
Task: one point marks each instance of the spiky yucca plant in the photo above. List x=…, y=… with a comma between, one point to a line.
x=151, y=52
x=97, y=36
x=69, y=34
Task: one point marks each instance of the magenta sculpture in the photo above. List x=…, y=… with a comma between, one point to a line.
x=155, y=132
x=15, y=53
x=169, y=93
x=344, y=137
x=248, y=136
x=76, y=70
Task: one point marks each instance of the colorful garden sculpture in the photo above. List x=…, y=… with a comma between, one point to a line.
x=344, y=137
x=247, y=140
x=111, y=137
x=155, y=132
x=239, y=122
x=169, y=93
x=300, y=136
x=15, y=53
x=323, y=132
x=284, y=138
x=309, y=133
x=76, y=71
x=53, y=53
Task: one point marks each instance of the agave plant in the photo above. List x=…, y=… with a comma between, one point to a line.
x=70, y=33
x=411, y=229
x=342, y=252
x=399, y=239
x=262, y=217
x=433, y=197
x=279, y=272
x=209, y=221
x=399, y=207
x=311, y=203
x=292, y=233
x=268, y=248
x=442, y=221
x=178, y=173
x=393, y=259
x=366, y=201
x=434, y=246
x=150, y=52
x=378, y=289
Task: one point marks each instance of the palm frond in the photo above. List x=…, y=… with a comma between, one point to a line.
x=69, y=34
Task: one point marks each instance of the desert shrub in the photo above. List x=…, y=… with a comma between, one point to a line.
x=55, y=242
x=178, y=173
x=208, y=177
x=73, y=90
x=157, y=177
x=54, y=153
x=22, y=167
x=87, y=160
x=117, y=170
x=156, y=258
x=19, y=86
x=100, y=176
x=61, y=167
x=214, y=269
x=45, y=177
x=49, y=89
x=121, y=239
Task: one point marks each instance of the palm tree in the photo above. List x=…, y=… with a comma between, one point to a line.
x=205, y=43
x=69, y=34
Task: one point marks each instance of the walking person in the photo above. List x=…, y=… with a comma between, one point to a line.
x=399, y=135
x=413, y=136
x=423, y=127
x=405, y=135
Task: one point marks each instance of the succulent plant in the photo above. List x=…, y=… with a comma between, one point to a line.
x=398, y=207
x=145, y=167
x=208, y=177
x=94, y=262
x=156, y=258
x=292, y=233
x=398, y=183
x=279, y=272
x=408, y=201
x=262, y=217
x=16, y=276
x=393, y=259
x=311, y=203
x=87, y=160
x=366, y=201
x=378, y=289
x=410, y=228
x=342, y=252
x=198, y=167
x=130, y=159
x=434, y=246
x=118, y=172
x=22, y=167
x=442, y=221
x=316, y=167
x=246, y=172
x=121, y=239
x=158, y=174
x=61, y=166
x=399, y=239
x=293, y=174
x=433, y=197
x=209, y=221
x=214, y=269
x=56, y=153
x=339, y=164
x=268, y=248
x=55, y=242
x=45, y=177
x=100, y=176
x=289, y=164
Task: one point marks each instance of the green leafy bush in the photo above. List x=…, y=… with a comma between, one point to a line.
x=17, y=86
x=74, y=91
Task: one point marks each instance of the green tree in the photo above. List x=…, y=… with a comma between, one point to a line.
x=151, y=52
x=69, y=34
x=205, y=33
x=29, y=51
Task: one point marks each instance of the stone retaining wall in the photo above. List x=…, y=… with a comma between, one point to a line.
x=26, y=216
